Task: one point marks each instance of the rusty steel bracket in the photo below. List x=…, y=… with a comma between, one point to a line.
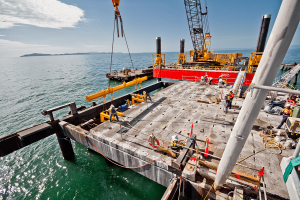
x=50, y=111
x=187, y=152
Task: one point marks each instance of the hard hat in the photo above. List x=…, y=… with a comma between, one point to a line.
x=112, y=106
x=175, y=138
x=230, y=90
x=288, y=106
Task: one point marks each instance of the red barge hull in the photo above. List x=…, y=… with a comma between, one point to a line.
x=195, y=75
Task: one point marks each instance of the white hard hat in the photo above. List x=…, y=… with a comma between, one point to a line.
x=230, y=90
x=175, y=138
x=112, y=105
x=288, y=105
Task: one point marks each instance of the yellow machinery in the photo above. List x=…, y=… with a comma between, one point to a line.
x=128, y=102
x=111, y=90
x=254, y=61
x=175, y=145
x=203, y=54
x=227, y=58
x=105, y=115
x=137, y=98
x=159, y=61
x=181, y=58
x=292, y=124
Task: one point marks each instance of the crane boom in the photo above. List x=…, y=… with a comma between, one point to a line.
x=198, y=26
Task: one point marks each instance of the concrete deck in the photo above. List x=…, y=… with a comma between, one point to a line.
x=172, y=112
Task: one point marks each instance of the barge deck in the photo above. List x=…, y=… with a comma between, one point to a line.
x=172, y=112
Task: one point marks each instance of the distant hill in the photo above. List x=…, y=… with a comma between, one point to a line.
x=64, y=54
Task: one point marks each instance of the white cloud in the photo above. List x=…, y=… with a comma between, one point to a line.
x=2, y=35
x=42, y=13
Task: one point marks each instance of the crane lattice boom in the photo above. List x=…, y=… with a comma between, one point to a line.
x=198, y=23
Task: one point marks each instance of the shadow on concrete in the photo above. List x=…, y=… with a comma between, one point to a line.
x=129, y=124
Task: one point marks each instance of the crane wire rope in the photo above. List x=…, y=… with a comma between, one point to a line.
x=128, y=48
x=112, y=47
x=112, y=52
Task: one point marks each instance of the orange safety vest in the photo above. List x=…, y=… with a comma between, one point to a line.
x=287, y=111
x=232, y=95
x=227, y=98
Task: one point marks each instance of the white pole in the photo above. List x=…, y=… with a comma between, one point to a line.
x=280, y=39
x=270, y=88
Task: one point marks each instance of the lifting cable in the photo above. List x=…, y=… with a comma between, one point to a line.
x=116, y=23
x=112, y=52
x=129, y=52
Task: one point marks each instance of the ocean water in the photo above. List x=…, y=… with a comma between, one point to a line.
x=29, y=85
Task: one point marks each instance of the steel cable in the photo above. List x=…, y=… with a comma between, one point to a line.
x=112, y=52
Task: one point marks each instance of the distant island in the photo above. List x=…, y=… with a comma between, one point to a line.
x=64, y=54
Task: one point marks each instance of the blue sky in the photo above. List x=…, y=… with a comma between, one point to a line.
x=68, y=26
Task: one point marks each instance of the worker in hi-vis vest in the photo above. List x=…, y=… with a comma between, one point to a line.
x=287, y=112
x=113, y=112
x=231, y=98
x=227, y=102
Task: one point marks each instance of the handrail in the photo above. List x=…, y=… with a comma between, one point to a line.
x=50, y=111
x=286, y=77
x=243, y=78
x=236, y=77
x=198, y=68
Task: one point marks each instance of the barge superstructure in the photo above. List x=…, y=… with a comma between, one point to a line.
x=207, y=165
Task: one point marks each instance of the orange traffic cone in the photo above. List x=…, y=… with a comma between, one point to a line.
x=221, y=94
x=206, y=148
x=191, y=130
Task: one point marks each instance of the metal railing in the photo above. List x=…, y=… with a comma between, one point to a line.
x=283, y=80
x=193, y=78
x=236, y=78
x=50, y=111
x=172, y=65
x=244, y=77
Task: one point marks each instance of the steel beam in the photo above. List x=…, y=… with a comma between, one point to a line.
x=280, y=39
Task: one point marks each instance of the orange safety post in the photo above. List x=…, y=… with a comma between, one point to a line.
x=206, y=148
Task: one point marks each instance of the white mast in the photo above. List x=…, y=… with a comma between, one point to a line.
x=280, y=39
